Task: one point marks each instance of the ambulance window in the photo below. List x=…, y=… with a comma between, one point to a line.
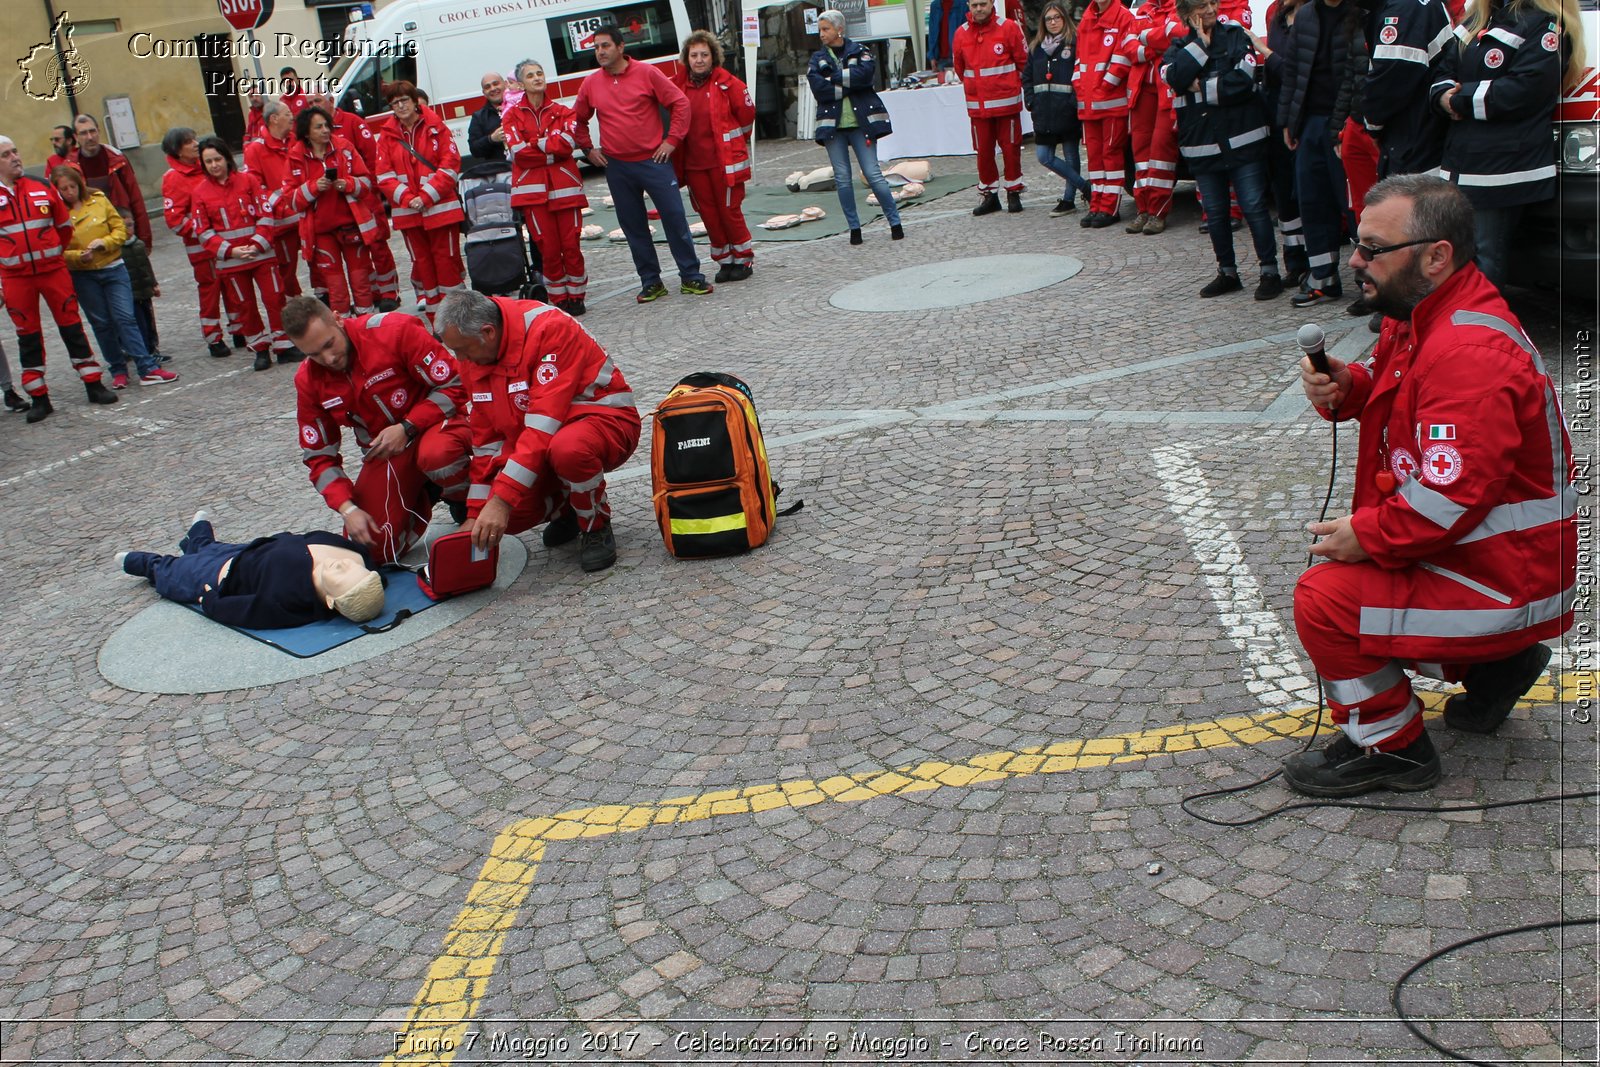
x=647, y=28
x=363, y=90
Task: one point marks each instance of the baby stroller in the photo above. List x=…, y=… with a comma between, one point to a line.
x=497, y=251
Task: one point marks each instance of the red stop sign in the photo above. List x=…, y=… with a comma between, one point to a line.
x=245, y=14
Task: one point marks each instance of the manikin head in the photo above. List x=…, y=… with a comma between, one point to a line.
x=346, y=584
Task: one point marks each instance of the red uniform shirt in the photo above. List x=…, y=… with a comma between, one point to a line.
x=397, y=371
x=1463, y=491
x=268, y=158
x=541, y=144
x=177, y=192
x=990, y=57
x=231, y=213
x=35, y=228
x=550, y=371
x=402, y=176
x=1105, y=61
x=721, y=114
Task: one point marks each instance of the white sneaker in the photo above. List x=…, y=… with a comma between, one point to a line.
x=200, y=516
x=120, y=557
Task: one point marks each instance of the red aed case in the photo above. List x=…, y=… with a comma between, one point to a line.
x=454, y=567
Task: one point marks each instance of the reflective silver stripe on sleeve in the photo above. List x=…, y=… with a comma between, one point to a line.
x=1189, y=151
x=1441, y=39
x=615, y=400
x=1480, y=100
x=478, y=492
x=1355, y=690
x=1525, y=515
x=1516, y=177
x=1401, y=54
x=443, y=401
x=1257, y=134
x=989, y=72
x=1552, y=407
x=1462, y=579
x=329, y=476
x=1194, y=49
x=601, y=379
x=518, y=473
x=491, y=449
x=446, y=472
x=542, y=423
x=374, y=321
x=533, y=313
x=1431, y=504
x=1495, y=322
x=1505, y=36
x=1483, y=622
x=330, y=450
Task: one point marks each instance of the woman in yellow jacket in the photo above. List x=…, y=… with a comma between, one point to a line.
x=101, y=280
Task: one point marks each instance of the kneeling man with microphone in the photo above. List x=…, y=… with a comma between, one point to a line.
x=1460, y=555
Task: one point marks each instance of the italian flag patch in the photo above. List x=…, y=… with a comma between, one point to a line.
x=1442, y=432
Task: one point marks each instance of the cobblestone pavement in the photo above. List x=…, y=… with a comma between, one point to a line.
x=902, y=784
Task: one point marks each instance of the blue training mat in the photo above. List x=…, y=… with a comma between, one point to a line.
x=402, y=598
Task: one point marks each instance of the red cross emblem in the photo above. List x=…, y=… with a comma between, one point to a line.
x=1441, y=464
x=1403, y=463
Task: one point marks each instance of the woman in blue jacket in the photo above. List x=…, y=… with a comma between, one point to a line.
x=1048, y=96
x=850, y=116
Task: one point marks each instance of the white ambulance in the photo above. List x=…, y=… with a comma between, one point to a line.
x=445, y=47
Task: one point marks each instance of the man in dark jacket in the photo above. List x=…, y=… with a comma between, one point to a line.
x=1320, y=65
x=109, y=171
x=1408, y=39
x=485, y=139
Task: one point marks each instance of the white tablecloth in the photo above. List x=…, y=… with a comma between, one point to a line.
x=927, y=122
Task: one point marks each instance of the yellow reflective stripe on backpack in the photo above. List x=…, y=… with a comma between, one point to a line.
x=720, y=524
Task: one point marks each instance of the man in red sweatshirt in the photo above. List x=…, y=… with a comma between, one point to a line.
x=636, y=152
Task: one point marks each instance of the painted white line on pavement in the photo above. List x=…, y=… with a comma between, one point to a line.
x=88, y=453
x=1272, y=672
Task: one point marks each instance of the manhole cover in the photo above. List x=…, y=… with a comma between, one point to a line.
x=955, y=282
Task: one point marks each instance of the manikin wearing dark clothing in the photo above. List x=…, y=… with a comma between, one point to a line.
x=270, y=583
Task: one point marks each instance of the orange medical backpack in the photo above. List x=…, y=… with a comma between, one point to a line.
x=713, y=490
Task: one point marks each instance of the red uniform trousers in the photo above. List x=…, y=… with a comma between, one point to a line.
x=385, y=275
x=560, y=251
x=22, y=293
x=210, y=290
x=1368, y=692
x=1006, y=131
x=394, y=491
x=1360, y=155
x=336, y=254
x=1104, y=141
x=286, y=250
x=582, y=451
x=242, y=307
x=721, y=208
x=1155, y=154
x=435, y=263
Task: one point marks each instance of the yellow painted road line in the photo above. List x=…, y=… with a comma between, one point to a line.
x=458, y=980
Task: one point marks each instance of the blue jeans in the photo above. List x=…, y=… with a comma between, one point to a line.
x=1319, y=185
x=629, y=182
x=1249, y=181
x=839, y=147
x=107, y=301
x=1494, y=226
x=184, y=578
x=1064, y=166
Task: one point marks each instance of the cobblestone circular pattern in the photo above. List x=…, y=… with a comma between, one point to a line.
x=955, y=283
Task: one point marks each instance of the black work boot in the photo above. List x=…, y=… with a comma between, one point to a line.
x=597, y=548
x=219, y=350
x=988, y=205
x=15, y=401
x=561, y=529
x=1493, y=689
x=98, y=393
x=41, y=408
x=240, y=342
x=1013, y=202
x=1345, y=769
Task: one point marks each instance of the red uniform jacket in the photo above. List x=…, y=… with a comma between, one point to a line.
x=352, y=129
x=300, y=183
x=550, y=372
x=177, y=190
x=1155, y=26
x=121, y=187
x=231, y=213
x=402, y=176
x=397, y=371
x=732, y=114
x=541, y=144
x=1105, y=62
x=990, y=57
x=1464, y=492
x=35, y=228
x=268, y=158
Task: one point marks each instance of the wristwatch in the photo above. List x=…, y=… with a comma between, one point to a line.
x=411, y=431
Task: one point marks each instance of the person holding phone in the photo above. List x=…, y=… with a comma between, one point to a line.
x=418, y=168
x=327, y=181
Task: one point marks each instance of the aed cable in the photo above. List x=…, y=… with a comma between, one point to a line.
x=1398, y=989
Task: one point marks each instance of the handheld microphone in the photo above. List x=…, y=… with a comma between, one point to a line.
x=1310, y=338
